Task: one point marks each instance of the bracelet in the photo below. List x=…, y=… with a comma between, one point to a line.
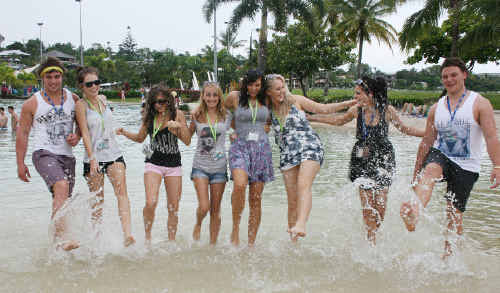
x=496, y=167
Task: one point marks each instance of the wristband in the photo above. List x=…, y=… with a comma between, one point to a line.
x=496, y=167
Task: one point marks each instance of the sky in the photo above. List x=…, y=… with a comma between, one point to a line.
x=174, y=24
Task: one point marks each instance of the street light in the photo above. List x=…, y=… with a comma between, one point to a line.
x=41, y=54
x=215, y=42
x=81, y=38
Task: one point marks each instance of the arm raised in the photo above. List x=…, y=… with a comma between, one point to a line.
x=393, y=117
x=314, y=107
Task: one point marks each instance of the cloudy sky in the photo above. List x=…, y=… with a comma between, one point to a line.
x=175, y=24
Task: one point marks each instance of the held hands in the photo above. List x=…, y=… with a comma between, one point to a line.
x=23, y=173
x=72, y=139
x=173, y=124
x=495, y=177
x=94, y=167
x=120, y=131
x=232, y=137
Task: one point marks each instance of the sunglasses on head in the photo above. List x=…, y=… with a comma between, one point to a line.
x=91, y=83
x=162, y=102
x=361, y=83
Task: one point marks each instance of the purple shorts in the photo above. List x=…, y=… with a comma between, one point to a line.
x=254, y=157
x=54, y=168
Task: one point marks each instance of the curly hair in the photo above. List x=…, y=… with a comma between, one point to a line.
x=150, y=111
x=251, y=77
x=377, y=87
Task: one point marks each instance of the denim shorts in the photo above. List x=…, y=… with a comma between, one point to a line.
x=212, y=177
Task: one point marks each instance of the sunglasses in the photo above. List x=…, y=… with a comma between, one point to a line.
x=91, y=83
x=361, y=83
x=162, y=102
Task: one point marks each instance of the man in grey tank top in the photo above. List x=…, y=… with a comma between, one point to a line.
x=436, y=163
x=50, y=109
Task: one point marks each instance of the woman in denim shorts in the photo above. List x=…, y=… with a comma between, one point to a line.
x=210, y=121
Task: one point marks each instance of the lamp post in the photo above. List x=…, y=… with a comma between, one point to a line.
x=81, y=38
x=41, y=52
x=215, y=42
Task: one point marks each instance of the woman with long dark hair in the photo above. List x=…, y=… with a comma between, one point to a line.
x=250, y=157
x=165, y=125
x=372, y=157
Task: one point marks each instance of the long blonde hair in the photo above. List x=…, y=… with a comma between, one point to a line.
x=203, y=108
x=289, y=100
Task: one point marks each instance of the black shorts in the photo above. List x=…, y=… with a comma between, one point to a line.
x=459, y=181
x=103, y=166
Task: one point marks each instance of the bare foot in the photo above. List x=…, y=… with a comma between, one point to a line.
x=447, y=250
x=196, y=232
x=296, y=232
x=409, y=214
x=128, y=241
x=68, y=245
x=235, y=237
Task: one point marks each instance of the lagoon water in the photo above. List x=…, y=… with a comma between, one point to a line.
x=334, y=257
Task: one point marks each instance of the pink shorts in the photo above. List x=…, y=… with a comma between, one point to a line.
x=163, y=171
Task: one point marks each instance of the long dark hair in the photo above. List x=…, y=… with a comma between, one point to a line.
x=251, y=77
x=150, y=111
x=377, y=87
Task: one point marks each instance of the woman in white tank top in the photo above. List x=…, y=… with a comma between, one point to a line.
x=103, y=154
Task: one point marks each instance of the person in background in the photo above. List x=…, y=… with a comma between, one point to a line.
x=13, y=119
x=102, y=152
x=4, y=120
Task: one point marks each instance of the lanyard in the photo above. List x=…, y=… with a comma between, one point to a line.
x=156, y=128
x=279, y=120
x=363, y=125
x=95, y=110
x=213, y=130
x=254, y=113
x=61, y=110
x=456, y=108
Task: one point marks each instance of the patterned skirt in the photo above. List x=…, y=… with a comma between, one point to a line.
x=255, y=157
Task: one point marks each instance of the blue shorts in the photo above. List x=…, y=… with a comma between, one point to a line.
x=212, y=177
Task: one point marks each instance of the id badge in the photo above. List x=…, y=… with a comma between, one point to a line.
x=253, y=136
x=103, y=145
x=217, y=156
x=362, y=152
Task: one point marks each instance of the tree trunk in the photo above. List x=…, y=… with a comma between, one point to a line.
x=455, y=7
x=327, y=84
x=360, y=54
x=303, y=86
x=262, y=58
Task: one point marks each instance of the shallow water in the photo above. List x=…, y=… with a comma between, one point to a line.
x=334, y=257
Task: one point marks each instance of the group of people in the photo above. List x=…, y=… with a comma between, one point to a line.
x=4, y=120
x=263, y=103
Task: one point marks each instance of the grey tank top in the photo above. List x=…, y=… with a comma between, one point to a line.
x=210, y=154
x=244, y=126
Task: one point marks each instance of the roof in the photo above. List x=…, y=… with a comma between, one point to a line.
x=59, y=54
x=13, y=53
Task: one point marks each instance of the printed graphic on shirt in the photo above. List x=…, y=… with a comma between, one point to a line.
x=58, y=125
x=166, y=144
x=207, y=140
x=454, y=138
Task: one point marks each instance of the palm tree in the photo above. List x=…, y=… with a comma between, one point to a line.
x=359, y=21
x=228, y=40
x=280, y=9
x=419, y=22
x=489, y=29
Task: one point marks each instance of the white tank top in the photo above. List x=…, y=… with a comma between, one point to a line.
x=102, y=136
x=462, y=139
x=51, y=125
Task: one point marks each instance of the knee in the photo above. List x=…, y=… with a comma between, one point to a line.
x=151, y=205
x=239, y=187
x=172, y=208
x=204, y=208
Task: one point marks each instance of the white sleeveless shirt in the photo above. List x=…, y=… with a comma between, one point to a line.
x=102, y=136
x=51, y=125
x=461, y=140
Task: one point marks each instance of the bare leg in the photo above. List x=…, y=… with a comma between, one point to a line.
x=201, y=186
x=96, y=184
x=290, y=179
x=216, y=191
x=455, y=220
x=307, y=173
x=61, y=191
x=152, y=182
x=173, y=186
x=373, y=203
x=117, y=177
x=255, y=204
x=240, y=182
x=409, y=211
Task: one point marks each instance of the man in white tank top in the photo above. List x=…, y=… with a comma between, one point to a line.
x=451, y=149
x=51, y=114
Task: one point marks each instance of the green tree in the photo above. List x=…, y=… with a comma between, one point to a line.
x=228, y=40
x=360, y=20
x=280, y=9
x=128, y=48
x=301, y=52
